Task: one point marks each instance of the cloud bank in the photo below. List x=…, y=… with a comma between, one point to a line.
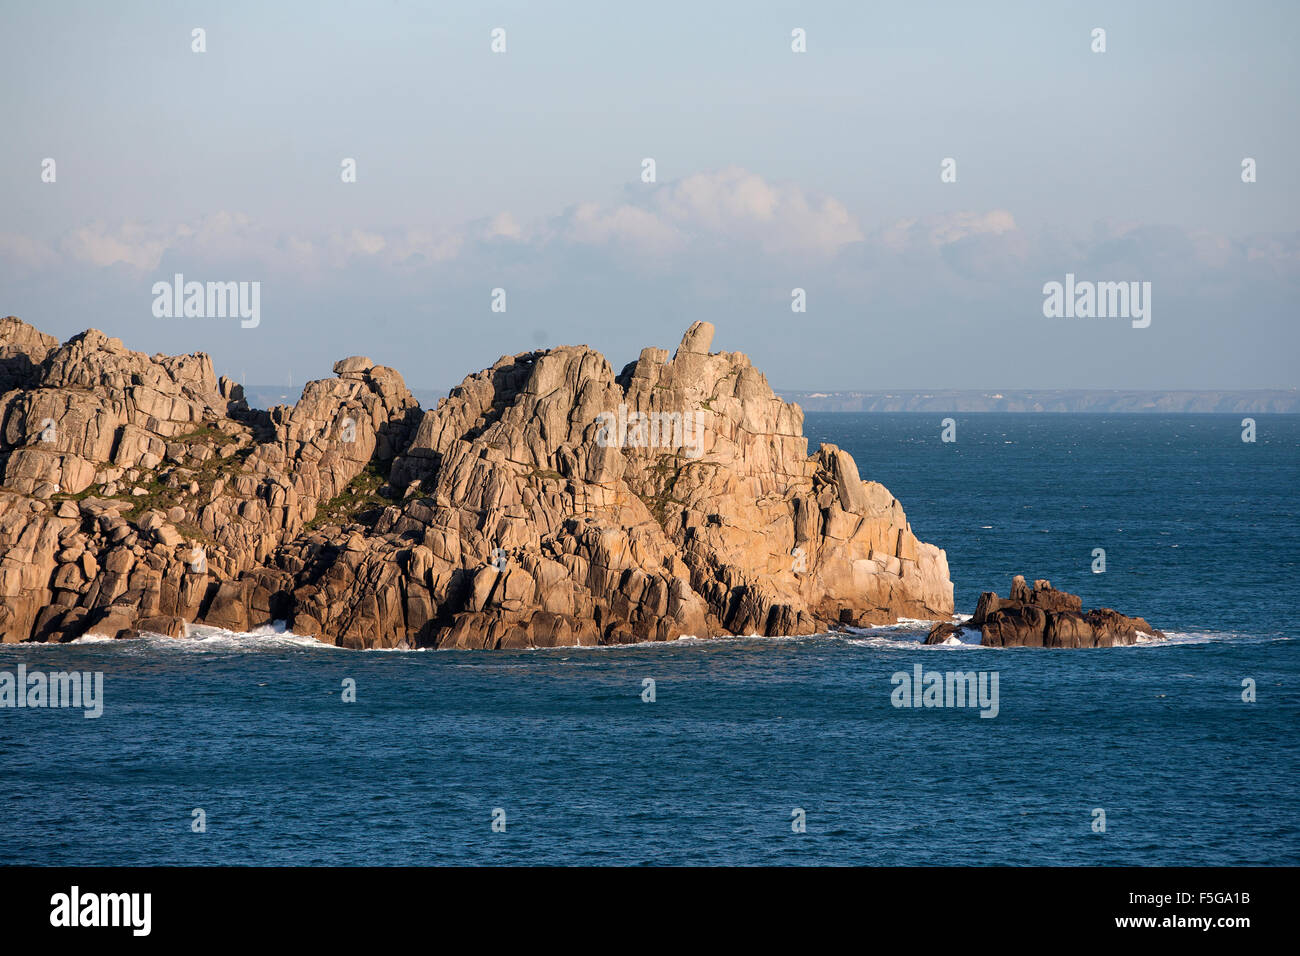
x=943, y=293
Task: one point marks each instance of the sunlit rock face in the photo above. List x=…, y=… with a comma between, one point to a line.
x=546, y=501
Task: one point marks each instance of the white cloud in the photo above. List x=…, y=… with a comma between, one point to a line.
x=588, y=223
x=366, y=243
x=942, y=230
x=25, y=253
x=133, y=244
x=732, y=219
x=732, y=205
x=503, y=226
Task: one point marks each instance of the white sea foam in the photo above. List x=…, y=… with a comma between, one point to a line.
x=1182, y=639
x=904, y=634
x=967, y=635
x=908, y=634
x=201, y=638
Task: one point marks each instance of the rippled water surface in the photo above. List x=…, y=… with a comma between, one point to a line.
x=1200, y=535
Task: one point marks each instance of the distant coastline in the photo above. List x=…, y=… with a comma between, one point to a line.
x=1102, y=401
x=1112, y=401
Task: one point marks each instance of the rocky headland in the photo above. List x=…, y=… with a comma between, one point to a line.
x=548, y=500
x=1041, y=616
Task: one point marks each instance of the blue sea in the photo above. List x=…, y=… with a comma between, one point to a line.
x=1200, y=536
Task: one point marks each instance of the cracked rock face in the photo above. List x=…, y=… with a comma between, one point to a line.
x=546, y=501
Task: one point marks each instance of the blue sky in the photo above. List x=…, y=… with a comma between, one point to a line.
x=775, y=170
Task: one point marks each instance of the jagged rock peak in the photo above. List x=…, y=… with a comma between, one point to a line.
x=698, y=338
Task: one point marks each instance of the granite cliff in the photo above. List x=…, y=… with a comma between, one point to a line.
x=548, y=500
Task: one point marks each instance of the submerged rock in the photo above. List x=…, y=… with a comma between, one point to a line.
x=546, y=501
x=1044, y=617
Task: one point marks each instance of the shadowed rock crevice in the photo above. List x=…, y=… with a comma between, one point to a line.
x=544, y=502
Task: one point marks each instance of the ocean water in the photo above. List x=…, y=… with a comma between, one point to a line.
x=1200, y=535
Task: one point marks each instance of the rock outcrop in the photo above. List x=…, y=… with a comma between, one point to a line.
x=546, y=501
x=1042, y=616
